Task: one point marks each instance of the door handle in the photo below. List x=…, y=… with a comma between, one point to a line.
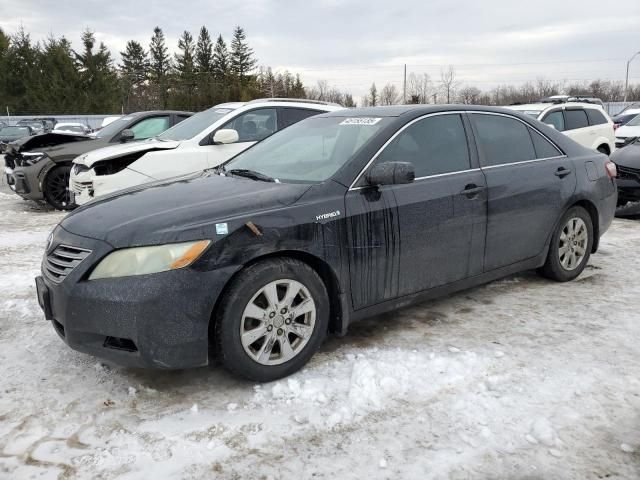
x=562, y=172
x=472, y=190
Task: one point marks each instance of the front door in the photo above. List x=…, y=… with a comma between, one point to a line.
x=430, y=232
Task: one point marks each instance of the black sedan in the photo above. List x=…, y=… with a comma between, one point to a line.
x=339, y=217
x=10, y=134
x=627, y=160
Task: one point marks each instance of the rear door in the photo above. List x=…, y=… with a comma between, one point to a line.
x=289, y=115
x=529, y=182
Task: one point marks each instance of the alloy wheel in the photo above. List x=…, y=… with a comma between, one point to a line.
x=573, y=243
x=278, y=322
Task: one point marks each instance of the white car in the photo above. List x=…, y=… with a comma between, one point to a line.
x=71, y=127
x=203, y=141
x=628, y=132
x=588, y=124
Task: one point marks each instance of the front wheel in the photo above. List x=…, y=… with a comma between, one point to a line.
x=570, y=246
x=272, y=319
x=55, y=188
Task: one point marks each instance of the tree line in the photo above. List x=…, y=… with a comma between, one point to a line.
x=422, y=88
x=50, y=77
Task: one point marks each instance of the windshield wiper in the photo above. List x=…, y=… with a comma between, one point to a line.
x=252, y=174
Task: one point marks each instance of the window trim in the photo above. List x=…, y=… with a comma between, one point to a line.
x=399, y=131
x=562, y=154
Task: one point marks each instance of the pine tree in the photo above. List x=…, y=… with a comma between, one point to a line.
x=134, y=71
x=97, y=76
x=22, y=73
x=59, y=81
x=220, y=66
x=373, y=95
x=242, y=60
x=160, y=66
x=204, y=52
x=184, y=67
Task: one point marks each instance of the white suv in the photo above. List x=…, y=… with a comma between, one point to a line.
x=588, y=124
x=202, y=141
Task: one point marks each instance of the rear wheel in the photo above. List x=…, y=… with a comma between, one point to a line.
x=272, y=319
x=570, y=246
x=55, y=188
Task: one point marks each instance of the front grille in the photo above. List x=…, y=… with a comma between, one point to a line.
x=628, y=173
x=61, y=262
x=79, y=187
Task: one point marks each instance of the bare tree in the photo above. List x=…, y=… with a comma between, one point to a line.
x=373, y=95
x=389, y=95
x=448, y=82
x=469, y=95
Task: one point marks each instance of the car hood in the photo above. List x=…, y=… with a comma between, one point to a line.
x=116, y=151
x=47, y=142
x=628, y=131
x=628, y=156
x=177, y=210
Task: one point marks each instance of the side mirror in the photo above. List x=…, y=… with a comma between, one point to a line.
x=127, y=135
x=224, y=136
x=391, y=173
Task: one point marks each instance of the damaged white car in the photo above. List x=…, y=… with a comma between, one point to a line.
x=203, y=141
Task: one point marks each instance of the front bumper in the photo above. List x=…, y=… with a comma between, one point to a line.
x=628, y=182
x=152, y=321
x=26, y=180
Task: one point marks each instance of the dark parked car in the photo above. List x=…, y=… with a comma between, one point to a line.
x=339, y=217
x=39, y=167
x=38, y=126
x=627, y=160
x=10, y=134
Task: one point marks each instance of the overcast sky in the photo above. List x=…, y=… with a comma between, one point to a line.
x=352, y=43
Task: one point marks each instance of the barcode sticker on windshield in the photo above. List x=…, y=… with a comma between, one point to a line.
x=360, y=121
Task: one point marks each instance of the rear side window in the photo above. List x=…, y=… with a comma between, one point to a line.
x=294, y=115
x=544, y=148
x=502, y=139
x=434, y=145
x=575, y=119
x=595, y=117
x=556, y=119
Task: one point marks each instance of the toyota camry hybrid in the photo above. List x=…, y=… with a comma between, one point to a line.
x=339, y=217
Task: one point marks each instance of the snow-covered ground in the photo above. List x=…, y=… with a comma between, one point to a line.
x=521, y=378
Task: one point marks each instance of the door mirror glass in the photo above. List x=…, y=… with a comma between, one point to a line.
x=224, y=136
x=127, y=135
x=391, y=173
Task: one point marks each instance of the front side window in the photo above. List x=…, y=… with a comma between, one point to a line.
x=254, y=125
x=556, y=119
x=150, y=127
x=502, y=139
x=310, y=151
x=434, y=145
x=574, y=119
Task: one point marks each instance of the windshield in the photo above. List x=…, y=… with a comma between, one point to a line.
x=14, y=131
x=634, y=122
x=70, y=128
x=114, y=127
x=310, y=151
x=192, y=126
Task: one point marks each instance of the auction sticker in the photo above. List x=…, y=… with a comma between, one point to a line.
x=360, y=121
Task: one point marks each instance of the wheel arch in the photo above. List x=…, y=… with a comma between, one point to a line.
x=595, y=220
x=337, y=308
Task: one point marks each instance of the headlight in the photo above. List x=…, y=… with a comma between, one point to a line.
x=143, y=260
x=32, y=158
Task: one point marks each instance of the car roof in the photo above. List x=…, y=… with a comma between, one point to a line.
x=416, y=110
x=543, y=106
x=156, y=112
x=282, y=102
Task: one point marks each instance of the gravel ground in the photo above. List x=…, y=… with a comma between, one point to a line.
x=521, y=379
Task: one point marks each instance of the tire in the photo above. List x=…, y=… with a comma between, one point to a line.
x=55, y=188
x=574, y=235
x=282, y=342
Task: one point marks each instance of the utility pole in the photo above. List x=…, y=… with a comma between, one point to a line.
x=626, y=81
x=404, y=86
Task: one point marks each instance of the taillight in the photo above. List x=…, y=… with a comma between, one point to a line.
x=616, y=126
x=612, y=170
